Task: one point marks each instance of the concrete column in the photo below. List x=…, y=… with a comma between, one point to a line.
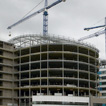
x=20, y=74
x=40, y=70
x=96, y=74
x=13, y=83
x=48, y=92
x=63, y=68
x=89, y=72
x=30, y=73
x=73, y=93
x=78, y=67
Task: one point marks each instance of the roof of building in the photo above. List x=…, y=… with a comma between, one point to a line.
x=34, y=39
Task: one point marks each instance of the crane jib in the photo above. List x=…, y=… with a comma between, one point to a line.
x=26, y=18
x=94, y=27
x=35, y=13
x=92, y=35
x=55, y=3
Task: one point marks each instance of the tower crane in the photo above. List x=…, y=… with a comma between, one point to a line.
x=45, y=16
x=96, y=34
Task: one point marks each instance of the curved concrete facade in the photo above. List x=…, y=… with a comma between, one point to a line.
x=56, y=69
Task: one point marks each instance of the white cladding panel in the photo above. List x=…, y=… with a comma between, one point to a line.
x=61, y=99
x=59, y=105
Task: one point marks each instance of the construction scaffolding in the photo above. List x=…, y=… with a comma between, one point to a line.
x=35, y=39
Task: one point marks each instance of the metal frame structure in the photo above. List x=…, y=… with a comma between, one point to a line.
x=34, y=39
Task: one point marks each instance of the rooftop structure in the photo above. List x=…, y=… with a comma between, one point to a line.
x=34, y=39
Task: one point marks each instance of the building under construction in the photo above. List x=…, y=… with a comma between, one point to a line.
x=34, y=67
x=102, y=78
x=6, y=73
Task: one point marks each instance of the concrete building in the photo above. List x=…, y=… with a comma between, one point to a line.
x=6, y=73
x=51, y=71
x=102, y=78
x=52, y=66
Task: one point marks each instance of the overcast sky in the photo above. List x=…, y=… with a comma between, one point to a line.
x=65, y=19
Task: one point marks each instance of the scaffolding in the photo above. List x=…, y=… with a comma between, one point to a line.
x=36, y=39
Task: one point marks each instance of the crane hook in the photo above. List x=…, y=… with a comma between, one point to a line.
x=9, y=33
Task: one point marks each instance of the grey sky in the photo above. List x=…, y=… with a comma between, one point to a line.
x=67, y=19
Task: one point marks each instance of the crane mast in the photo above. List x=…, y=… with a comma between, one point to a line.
x=45, y=16
x=45, y=20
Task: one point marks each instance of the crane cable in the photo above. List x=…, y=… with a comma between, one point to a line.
x=29, y=13
x=101, y=29
x=99, y=21
x=32, y=9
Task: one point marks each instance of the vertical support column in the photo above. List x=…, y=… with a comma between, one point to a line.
x=96, y=75
x=48, y=92
x=78, y=67
x=63, y=68
x=89, y=72
x=13, y=102
x=45, y=20
x=40, y=70
x=20, y=74
x=30, y=73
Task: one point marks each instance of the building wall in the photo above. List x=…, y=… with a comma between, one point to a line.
x=56, y=68
x=46, y=69
x=102, y=79
x=6, y=73
x=95, y=101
